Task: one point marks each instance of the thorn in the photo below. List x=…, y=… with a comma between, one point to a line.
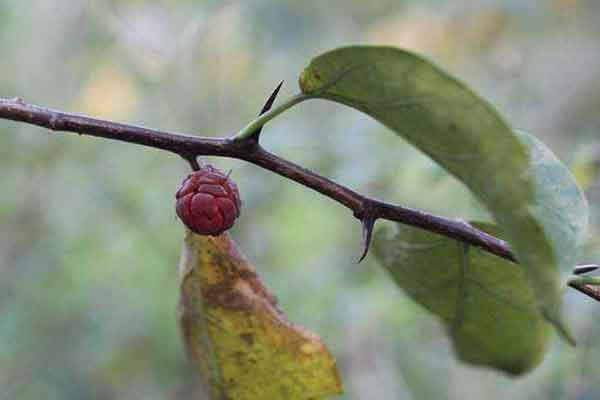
x=584, y=269
x=271, y=99
x=267, y=107
x=368, y=223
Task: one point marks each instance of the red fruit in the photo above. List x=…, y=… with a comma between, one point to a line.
x=208, y=202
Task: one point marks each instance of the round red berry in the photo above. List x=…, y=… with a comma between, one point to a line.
x=208, y=202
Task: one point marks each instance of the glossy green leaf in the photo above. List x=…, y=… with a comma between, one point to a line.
x=484, y=301
x=464, y=134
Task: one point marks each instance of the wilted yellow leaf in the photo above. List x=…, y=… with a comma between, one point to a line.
x=233, y=330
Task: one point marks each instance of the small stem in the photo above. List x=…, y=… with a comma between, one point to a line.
x=194, y=163
x=257, y=123
x=587, y=290
x=584, y=280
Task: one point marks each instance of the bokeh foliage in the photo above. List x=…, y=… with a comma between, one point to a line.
x=89, y=242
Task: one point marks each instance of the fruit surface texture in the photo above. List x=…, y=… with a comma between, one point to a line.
x=208, y=201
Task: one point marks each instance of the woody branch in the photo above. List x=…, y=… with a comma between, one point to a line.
x=248, y=148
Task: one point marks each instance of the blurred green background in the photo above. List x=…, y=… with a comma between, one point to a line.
x=89, y=242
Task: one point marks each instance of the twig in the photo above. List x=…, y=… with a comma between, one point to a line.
x=246, y=147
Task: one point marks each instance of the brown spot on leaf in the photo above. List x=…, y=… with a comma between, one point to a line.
x=248, y=338
x=241, y=342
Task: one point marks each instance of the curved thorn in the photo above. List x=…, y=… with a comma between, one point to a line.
x=368, y=223
x=584, y=269
x=267, y=107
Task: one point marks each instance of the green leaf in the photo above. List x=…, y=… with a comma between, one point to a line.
x=464, y=134
x=484, y=301
x=559, y=203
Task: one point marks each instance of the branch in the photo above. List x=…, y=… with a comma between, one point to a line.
x=245, y=147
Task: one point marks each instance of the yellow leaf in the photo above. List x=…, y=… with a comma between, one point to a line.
x=241, y=341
